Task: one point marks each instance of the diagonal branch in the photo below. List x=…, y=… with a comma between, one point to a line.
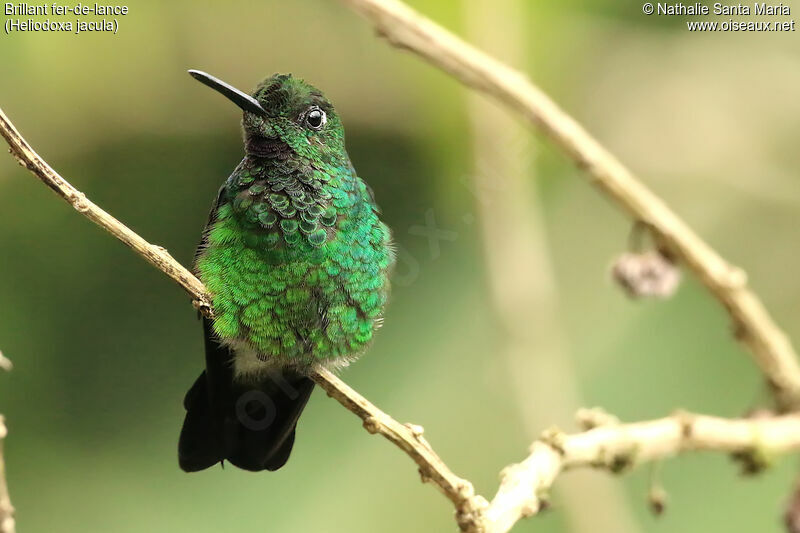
x=155, y=255
x=407, y=437
x=770, y=347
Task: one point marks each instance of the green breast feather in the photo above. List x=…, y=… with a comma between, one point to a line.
x=296, y=259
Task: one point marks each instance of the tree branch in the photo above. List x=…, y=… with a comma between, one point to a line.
x=770, y=347
x=617, y=447
x=408, y=437
x=155, y=255
x=7, y=522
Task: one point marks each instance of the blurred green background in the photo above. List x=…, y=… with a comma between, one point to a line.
x=104, y=346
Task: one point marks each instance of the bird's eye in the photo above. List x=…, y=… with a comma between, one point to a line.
x=316, y=118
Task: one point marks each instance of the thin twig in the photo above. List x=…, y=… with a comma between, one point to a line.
x=7, y=521
x=617, y=447
x=770, y=347
x=408, y=437
x=5, y=363
x=155, y=255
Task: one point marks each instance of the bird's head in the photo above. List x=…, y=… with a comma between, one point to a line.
x=284, y=112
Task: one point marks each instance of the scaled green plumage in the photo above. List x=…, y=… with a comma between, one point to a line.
x=297, y=261
x=295, y=255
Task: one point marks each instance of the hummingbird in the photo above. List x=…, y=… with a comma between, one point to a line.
x=297, y=261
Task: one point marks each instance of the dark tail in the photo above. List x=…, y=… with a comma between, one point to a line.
x=252, y=426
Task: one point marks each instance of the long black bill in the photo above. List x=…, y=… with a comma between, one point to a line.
x=243, y=100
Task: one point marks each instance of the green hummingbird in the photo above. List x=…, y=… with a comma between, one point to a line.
x=297, y=261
